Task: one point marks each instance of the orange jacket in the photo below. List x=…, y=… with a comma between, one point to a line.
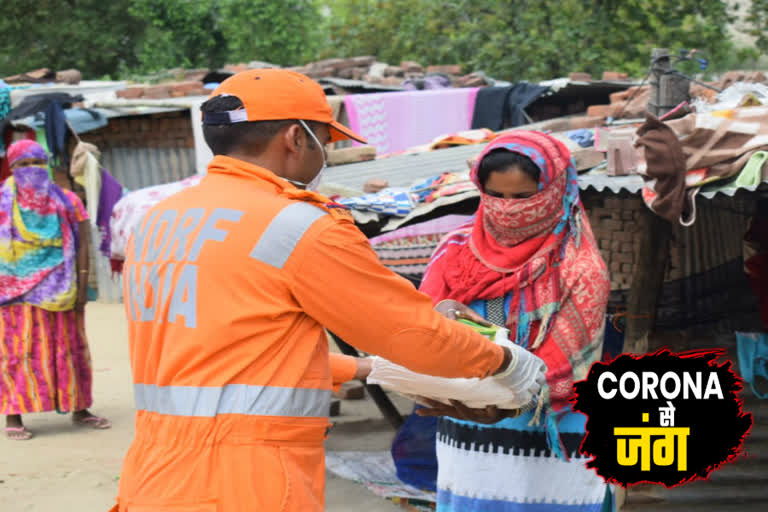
x=228, y=286
x=343, y=369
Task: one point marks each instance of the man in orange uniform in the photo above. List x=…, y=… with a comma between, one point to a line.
x=227, y=288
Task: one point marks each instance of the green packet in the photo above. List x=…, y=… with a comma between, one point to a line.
x=488, y=332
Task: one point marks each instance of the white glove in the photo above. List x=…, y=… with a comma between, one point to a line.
x=526, y=373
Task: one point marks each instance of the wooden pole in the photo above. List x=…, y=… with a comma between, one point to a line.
x=647, y=281
x=656, y=233
x=667, y=91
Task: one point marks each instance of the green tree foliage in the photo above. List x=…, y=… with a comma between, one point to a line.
x=209, y=33
x=511, y=39
x=179, y=33
x=758, y=21
x=95, y=36
x=529, y=39
x=285, y=32
x=120, y=37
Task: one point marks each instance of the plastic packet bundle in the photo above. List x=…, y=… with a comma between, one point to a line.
x=474, y=393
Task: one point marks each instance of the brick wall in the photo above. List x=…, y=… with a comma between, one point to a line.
x=166, y=130
x=615, y=223
x=704, y=278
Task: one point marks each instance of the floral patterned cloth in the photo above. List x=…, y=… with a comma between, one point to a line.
x=38, y=236
x=129, y=211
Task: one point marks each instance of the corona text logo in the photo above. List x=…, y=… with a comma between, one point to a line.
x=662, y=418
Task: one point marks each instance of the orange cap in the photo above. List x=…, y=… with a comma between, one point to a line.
x=276, y=94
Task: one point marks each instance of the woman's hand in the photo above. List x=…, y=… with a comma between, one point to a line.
x=82, y=298
x=458, y=410
x=456, y=311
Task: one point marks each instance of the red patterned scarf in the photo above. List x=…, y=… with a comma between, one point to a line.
x=539, y=250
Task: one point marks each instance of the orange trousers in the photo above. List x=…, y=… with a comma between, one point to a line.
x=196, y=470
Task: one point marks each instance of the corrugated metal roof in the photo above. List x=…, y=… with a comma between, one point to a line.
x=137, y=168
x=91, y=89
x=403, y=170
x=136, y=111
x=634, y=183
x=145, y=106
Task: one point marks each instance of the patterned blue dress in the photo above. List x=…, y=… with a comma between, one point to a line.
x=509, y=466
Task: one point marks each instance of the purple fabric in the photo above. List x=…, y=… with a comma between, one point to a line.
x=111, y=192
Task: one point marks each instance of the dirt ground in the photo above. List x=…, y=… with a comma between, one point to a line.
x=69, y=468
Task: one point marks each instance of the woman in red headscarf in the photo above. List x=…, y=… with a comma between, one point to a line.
x=528, y=261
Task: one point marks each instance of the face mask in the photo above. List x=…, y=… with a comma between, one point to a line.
x=31, y=176
x=312, y=185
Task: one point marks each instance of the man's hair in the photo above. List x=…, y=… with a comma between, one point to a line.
x=224, y=139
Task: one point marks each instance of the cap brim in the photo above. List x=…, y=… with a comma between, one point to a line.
x=341, y=132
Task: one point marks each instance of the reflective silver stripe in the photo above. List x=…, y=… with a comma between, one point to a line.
x=232, y=399
x=284, y=232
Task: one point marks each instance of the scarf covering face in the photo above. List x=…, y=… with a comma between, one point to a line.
x=38, y=236
x=540, y=251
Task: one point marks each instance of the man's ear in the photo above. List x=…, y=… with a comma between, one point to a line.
x=292, y=138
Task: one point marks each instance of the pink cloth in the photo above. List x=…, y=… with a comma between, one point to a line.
x=129, y=211
x=45, y=362
x=396, y=121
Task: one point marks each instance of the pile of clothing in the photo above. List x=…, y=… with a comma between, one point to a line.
x=400, y=202
x=683, y=155
x=406, y=251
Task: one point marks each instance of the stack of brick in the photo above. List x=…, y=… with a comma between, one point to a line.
x=732, y=77
x=704, y=279
x=354, y=68
x=166, y=130
x=367, y=69
x=627, y=104
x=45, y=75
x=162, y=91
x=615, y=221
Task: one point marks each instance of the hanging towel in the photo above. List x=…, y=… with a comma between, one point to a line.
x=396, y=121
x=111, y=192
x=504, y=107
x=85, y=170
x=56, y=133
x=752, y=349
